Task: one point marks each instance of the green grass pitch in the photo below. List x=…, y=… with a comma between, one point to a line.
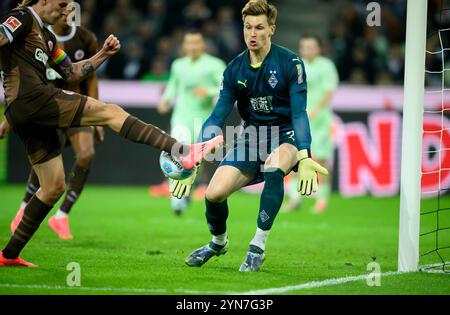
x=129, y=243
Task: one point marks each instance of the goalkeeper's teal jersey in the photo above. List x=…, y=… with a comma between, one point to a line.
x=185, y=76
x=273, y=94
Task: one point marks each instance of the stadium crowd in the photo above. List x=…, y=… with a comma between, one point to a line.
x=375, y=55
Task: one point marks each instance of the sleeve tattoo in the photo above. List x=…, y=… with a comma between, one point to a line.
x=87, y=68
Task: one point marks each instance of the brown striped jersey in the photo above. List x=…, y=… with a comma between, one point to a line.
x=79, y=44
x=24, y=60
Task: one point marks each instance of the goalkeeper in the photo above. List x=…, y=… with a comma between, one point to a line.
x=194, y=82
x=269, y=84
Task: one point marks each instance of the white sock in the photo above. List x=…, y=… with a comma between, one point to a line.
x=260, y=238
x=61, y=214
x=23, y=205
x=220, y=239
x=180, y=204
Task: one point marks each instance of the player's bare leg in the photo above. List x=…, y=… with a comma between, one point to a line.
x=323, y=195
x=97, y=113
x=277, y=165
x=226, y=180
x=51, y=178
x=83, y=145
x=294, y=200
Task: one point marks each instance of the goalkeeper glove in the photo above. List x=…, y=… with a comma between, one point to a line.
x=307, y=173
x=182, y=188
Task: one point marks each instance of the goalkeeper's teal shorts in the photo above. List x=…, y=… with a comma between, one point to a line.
x=254, y=146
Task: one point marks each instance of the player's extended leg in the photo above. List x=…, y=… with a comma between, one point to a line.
x=226, y=180
x=51, y=178
x=32, y=188
x=97, y=113
x=278, y=164
x=83, y=145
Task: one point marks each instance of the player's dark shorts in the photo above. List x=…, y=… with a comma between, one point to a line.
x=38, y=117
x=254, y=146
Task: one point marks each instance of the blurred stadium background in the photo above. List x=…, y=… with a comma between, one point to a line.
x=363, y=215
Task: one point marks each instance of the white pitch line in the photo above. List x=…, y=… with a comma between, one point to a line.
x=57, y=287
x=268, y=291
x=102, y=289
x=335, y=281
x=316, y=284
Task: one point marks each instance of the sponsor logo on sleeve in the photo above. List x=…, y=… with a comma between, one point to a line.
x=12, y=24
x=300, y=73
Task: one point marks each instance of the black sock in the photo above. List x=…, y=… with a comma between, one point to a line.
x=216, y=216
x=77, y=179
x=271, y=198
x=32, y=186
x=34, y=214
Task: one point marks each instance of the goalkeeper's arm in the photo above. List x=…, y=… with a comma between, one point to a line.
x=307, y=168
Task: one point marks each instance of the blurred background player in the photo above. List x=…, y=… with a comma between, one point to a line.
x=269, y=84
x=323, y=80
x=79, y=43
x=194, y=82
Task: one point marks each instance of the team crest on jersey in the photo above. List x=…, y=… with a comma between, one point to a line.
x=79, y=54
x=273, y=81
x=12, y=24
x=300, y=73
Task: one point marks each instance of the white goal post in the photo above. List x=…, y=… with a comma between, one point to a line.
x=413, y=107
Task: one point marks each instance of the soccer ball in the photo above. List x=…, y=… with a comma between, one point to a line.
x=173, y=168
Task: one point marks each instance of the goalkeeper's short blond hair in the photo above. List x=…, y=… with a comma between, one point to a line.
x=27, y=3
x=260, y=7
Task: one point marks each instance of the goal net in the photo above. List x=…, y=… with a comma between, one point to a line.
x=434, y=240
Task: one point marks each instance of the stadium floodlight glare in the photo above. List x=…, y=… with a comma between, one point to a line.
x=413, y=107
